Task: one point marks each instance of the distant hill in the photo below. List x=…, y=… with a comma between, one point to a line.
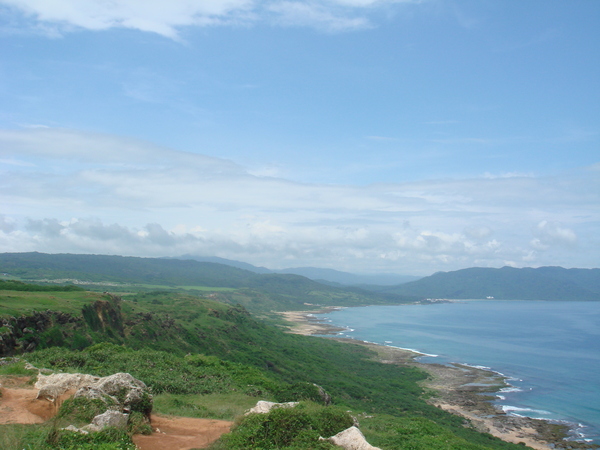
x=227, y=262
x=315, y=273
x=507, y=283
x=257, y=292
x=349, y=279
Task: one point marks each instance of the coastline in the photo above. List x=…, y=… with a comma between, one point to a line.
x=459, y=389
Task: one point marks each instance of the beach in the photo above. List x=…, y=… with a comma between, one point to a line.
x=459, y=389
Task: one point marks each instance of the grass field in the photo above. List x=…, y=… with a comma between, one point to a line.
x=23, y=302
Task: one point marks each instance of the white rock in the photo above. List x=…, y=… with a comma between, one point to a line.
x=108, y=419
x=351, y=439
x=52, y=386
x=75, y=429
x=263, y=407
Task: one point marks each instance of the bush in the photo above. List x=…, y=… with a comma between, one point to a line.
x=81, y=411
x=300, y=391
x=107, y=439
x=287, y=428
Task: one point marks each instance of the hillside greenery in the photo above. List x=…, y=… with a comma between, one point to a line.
x=256, y=292
x=199, y=356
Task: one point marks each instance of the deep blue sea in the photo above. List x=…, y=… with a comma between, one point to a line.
x=549, y=350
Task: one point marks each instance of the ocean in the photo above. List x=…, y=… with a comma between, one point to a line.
x=548, y=350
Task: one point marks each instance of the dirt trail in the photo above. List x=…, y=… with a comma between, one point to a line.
x=18, y=404
x=181, y=433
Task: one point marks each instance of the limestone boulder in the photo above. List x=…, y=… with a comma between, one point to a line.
x=120, y=389
x=351, y=439
x=263, y=407
x=107, y=419
x=50, y=387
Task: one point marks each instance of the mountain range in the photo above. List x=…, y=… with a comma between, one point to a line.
x=507, y=283
x=258, y=287
x=330, y=276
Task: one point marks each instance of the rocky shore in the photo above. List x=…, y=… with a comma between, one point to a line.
x=459, y=389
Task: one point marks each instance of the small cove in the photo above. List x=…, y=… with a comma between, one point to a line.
x=549, y=351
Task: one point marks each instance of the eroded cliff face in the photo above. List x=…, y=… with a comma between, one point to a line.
x=43, y=329
x=26, y=333
x=105, y=315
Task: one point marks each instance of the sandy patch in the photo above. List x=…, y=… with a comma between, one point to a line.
x=305, y=323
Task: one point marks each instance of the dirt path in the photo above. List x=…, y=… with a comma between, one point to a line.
x=18, y=404
x=181, y=433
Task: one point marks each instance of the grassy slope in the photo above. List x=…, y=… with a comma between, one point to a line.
x=256, y=292
x=252, y=360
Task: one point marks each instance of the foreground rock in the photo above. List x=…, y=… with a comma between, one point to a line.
x=351, y=439
x=120, y=391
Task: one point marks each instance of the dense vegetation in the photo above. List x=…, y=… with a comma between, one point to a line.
x=204, y=358
x=14, y=285
x=256, y=292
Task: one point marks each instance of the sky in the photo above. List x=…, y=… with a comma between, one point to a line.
x=369, y=136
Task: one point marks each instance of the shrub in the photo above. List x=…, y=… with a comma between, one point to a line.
x=81, y=410
x=287, y=428
x=107, y=439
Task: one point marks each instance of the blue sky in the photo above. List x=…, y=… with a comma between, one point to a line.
x=361, y=135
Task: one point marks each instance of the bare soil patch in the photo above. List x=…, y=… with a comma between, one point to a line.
x=181, y=433
x=19, y=405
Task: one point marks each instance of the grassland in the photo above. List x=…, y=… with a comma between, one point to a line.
x=205, y=358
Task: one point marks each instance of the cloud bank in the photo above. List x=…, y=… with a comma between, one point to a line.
x=167, y=18
x=67, y=191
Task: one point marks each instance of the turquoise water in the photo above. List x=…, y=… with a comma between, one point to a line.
x=550, y=351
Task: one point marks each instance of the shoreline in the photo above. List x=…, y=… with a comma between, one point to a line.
x=460, y=389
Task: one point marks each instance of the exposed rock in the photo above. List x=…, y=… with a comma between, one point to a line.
x=52, y=386
x=74, y=429
x=22, y=334
x=121, y=389
x=325, y=397
x=107, y=419
x=351, y=439
x=93, y=393
x=130, y=392
x=263, y=407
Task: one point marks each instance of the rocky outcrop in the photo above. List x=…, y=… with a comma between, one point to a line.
x=351, y=439
x=51, y=387
x=120, y=391
x=109, y=418
x=325, y=397
x=263, y=407
x=22, y=334
x=105, y=314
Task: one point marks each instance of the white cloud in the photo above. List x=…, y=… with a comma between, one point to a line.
x=85, y=192
x=167, y=18
x=549, y=234
x=294, y=13
x=148, y=15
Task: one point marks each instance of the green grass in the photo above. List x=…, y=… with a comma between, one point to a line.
x=17, y=369
x=225, y=406
x=49, y=437
x=203, y=358
x=15, y=303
